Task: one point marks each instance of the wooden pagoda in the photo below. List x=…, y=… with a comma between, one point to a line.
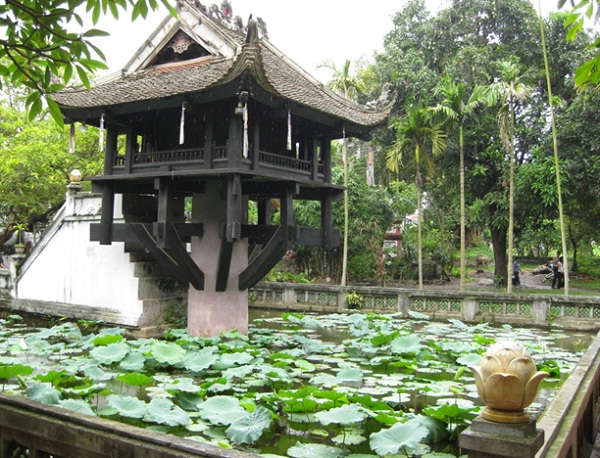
x=208, y=112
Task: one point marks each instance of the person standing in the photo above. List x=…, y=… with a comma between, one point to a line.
x=516, y=280
x=555, y=262
x=561, y=273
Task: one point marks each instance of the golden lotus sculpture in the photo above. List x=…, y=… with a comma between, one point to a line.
x=507, y=381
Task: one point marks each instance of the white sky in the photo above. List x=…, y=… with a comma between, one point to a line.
x=309, y=32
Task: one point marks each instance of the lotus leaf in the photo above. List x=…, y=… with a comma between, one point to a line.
x=345, y=415
x=77, y=405
x=135, y=379
x=107, y=339
x=324, y=380
x=134, y=361
x=394, y=439
x=111, y=353
x=127, y=406
x=221, y=410
x=96, y=373
x=168, y=353
x=301, y=450
x=13, y=370
x=43, y=392
x=406, y=345
x=233, y=359
x=200, y=361
x=350, y=375
x=351, y=437
x=249, y=428
x=183, y=384
x=164, y=412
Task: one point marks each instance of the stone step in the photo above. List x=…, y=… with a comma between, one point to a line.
x=161, y=288
x=151, y=268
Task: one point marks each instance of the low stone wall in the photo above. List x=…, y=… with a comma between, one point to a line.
x=540, y=310
x=28, y=428
x=572, y=419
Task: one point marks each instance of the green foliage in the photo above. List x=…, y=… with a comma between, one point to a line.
x=354, y=300
x=35, y=168
x=234, y=387
x=43, y=52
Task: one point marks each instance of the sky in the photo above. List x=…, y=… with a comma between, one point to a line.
x=309, y=32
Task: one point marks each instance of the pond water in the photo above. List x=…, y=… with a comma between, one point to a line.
x=351, y=385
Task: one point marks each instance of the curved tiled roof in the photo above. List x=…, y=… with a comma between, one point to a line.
x=273, y=71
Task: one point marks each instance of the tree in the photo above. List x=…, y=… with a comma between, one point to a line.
x=589, y=71
x=511, y=90
x=349, y=86
x=456, y=106
x=35, y=168
x=419, y=133
x=41, y=51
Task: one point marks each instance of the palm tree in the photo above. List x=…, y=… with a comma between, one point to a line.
x=457, y=106
x=419, y=133
x=510, y=90
x=349, y=86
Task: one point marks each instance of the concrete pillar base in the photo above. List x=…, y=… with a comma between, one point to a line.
x=487, y=439
x=212, y=312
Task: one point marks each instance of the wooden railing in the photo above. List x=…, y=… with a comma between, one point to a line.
x=28, y=428
x=219, y=153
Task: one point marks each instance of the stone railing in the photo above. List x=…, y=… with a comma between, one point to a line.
x=570, y=312
x=572, y=420
x=28, y=428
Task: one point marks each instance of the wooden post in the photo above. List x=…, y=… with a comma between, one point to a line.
x=208, y=141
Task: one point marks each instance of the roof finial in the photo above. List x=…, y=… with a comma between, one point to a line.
x=252, y=34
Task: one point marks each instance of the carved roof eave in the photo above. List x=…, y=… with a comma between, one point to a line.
x=351, y=116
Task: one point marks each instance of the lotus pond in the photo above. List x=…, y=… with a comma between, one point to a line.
x=300, y=386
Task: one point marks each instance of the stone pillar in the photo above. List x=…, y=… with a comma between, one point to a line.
x=212, y=312
x=488, y=439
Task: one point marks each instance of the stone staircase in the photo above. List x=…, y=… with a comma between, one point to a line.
x=164, y=298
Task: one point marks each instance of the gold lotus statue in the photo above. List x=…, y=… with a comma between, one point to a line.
x=507, y=381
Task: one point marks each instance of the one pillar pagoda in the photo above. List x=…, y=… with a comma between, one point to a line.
x=220, y=117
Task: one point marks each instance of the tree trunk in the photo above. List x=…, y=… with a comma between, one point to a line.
x=463, y=241
x=499, y=246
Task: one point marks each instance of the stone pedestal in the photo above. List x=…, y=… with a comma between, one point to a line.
x=487, y=439
x=212, y=312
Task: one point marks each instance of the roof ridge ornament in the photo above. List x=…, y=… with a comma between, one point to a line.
x=252, y=33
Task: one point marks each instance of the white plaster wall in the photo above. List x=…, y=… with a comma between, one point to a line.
x=66, y=268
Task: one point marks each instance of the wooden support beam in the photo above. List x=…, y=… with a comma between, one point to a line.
x=233, y=228
x=270, y=255
x=165, y=211
x=107, y=216
x=174, y=262
x=122, y=232
x=225, y=253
